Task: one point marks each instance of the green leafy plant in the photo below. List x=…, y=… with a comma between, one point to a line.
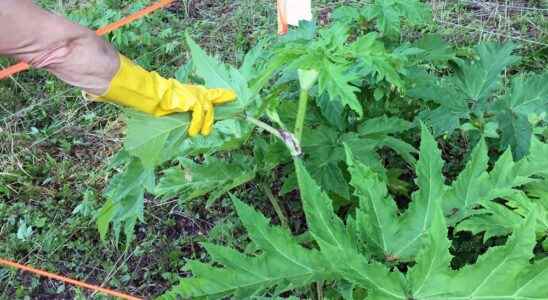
x=358, y=254
x=356, y=62
x=152, y=143
x=335, y=101
x=498, y=210
x=471, y=99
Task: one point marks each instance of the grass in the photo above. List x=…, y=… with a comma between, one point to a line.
x=55, y=146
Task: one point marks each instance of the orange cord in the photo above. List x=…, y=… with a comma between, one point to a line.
x=73, y=282
x=23, y=66
x=145, y=11
x=10, y=71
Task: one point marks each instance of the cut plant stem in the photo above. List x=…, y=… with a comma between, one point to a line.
x=286, y=137
x=301, y=114
x=277, y=208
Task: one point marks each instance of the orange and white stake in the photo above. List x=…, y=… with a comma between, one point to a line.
x=291, y=12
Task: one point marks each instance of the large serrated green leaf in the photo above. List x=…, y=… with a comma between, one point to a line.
x=496, y=273
x=516, y=133
x=213, y=177
x=428, y=277
x=156, y=140
x=377, y=217
x=147, y=135
x=384, y=125
x=528, y=96
x=388, y=14
x=435, y=49
x=470, y=187
x=430, y=180
x=335, y=81
x=283, y=263
x=335, y=242
x=323, y=223
x=478, y=79
x=125, y=195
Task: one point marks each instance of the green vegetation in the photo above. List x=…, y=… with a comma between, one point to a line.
x=378, y=153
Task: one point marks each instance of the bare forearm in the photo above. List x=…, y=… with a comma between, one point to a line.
x=44, y=40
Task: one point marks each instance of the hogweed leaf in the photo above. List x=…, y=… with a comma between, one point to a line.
x=147, y=135
x=528, y=96
x=333, y=111
x=428, y=277
x=452, y=104
x=503, y=272
x=335, y=81
x=125, y=194
x=214, y=177
x=435, y=49
x=405, y=150
x=325, y=154
x=384, y=125
x=219, y=75
x=275, y=240
x=430, y=180
x=516, y=133
x=478, y=79
x=335, y=242
x=376, y=218
x=155, y=140
x=323, y=223
x=495, y=273
x=388, y=14
x=470, y=186
x=282, y=263
x=502, y=183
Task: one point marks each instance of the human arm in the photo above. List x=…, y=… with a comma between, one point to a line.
x=77, y=56
x=71, y=52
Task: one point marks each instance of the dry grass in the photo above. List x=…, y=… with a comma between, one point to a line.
x=472, y=20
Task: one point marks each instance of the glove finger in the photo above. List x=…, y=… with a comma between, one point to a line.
x=197, y=120
x=180, y=98
x=208, y=119
x=220, y=96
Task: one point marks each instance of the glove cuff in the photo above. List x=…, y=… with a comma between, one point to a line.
x=134, y=87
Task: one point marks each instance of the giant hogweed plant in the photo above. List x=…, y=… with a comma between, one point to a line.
x=265, y=83
x=357, y=257
x=367, y=66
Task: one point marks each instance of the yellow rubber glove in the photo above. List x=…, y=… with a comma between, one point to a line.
x=133, y=86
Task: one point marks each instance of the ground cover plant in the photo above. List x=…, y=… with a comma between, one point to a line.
x=337, y=159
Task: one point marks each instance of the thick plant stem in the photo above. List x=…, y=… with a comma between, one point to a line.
x=319, y=290
x=264, y=126
x=286, y=137
x=301, y=113
x=277, y=208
